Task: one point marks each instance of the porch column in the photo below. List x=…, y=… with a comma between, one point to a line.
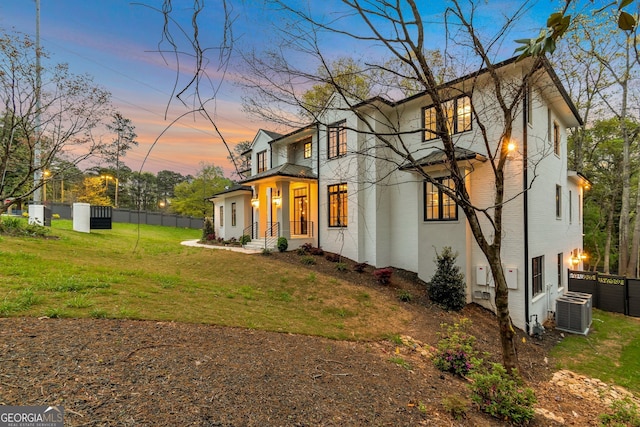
x=284, y=211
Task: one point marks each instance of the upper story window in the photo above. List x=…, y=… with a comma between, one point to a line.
x=221, y=216
x=438, y=205
x=337, y=140
x=262, y=161
x=307, y=149
x=556, y=138
x=458, y=117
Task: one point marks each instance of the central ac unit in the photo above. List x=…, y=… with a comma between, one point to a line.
x=573, y=314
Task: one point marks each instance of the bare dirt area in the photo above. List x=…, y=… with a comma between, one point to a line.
x=144, y=373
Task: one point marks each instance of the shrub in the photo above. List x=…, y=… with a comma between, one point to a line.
x=332, y=257
x=502, y=395
x=341, y=266
x=454, y=352
x=447, y=287
x=208, y=231
x=305, y=249
x=359, y=267
x=244, y=239
x=308, y=260
x=456, y=405
x=383, y=275
x=625, y=412
x=19, y=227
x=316, y=251
x=404, y=296
x=266, y=251
x=55, y=216
x=282, y=244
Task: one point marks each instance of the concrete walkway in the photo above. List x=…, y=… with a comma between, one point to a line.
x=195, y=244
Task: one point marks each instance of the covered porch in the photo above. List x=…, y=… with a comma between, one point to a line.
x=284, y=204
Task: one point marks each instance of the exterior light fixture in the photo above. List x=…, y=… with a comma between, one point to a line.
x=511, y=146
x=575, y=260
x=255, y=202
x=277, y=200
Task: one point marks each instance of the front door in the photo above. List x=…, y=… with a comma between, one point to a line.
x=300, y=211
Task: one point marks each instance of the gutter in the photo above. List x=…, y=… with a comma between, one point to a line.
x=525, y=185
x=318, y=166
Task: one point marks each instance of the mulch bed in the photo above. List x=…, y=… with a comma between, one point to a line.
x=145, y=373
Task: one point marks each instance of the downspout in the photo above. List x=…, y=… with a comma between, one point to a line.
x=525, y=185
x=318, y=185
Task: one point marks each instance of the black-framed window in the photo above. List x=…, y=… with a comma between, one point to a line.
x=558, y=201
x=262, y=161
x=307, y=149
x=338, y=205
x=458, y=113
x=570, y=206
x=337, y=140
x=438, y=205
x=537, y=274
x=233, y=214
x=560, y=269
x=556, y=138
x=221, y=216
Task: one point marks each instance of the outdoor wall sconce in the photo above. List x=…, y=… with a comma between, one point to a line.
x=255, y=202
x=277, y=200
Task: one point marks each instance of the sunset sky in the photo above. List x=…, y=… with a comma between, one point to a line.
x=116, y=42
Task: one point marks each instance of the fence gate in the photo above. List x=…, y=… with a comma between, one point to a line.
x=100, y=218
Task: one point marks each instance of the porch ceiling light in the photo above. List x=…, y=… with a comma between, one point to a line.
x=255, y=202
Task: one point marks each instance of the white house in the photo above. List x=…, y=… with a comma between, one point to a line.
x=332, y=184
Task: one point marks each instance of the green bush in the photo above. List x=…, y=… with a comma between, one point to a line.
x=502, y=395
x=19, y=227
x=456, y=405
x=455, y=352
x=341, y=266
x=244, y=239
x=625, y=413
x=282, y=244
x=404, y=296
x=208, y=231
x=447, y=287
x=308, y=260
x=266, y=251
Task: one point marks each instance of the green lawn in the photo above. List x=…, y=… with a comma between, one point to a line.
x=144, y=273
x=610, y=352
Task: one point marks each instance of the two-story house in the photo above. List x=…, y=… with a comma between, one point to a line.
x=334, y=185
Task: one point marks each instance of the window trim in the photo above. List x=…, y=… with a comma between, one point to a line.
x=429, y=134
x=558, y=201
x=307, y=149
x=556, y=138
x=261, y=160
x=341, y=139
x=233, y=214
x=537, y=275
x=341, y=218
x=560, y=270
x=441, y=201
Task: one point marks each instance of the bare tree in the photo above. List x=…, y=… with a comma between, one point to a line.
x=399, y=28
x=71, y=109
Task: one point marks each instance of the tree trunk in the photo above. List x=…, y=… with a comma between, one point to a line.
x=632, y=265
x=505, y=326
x=607, y=245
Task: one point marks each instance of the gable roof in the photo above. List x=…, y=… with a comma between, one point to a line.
x=286, y=169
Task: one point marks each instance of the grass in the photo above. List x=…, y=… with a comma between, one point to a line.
x=144, y=273
x=610, y=352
